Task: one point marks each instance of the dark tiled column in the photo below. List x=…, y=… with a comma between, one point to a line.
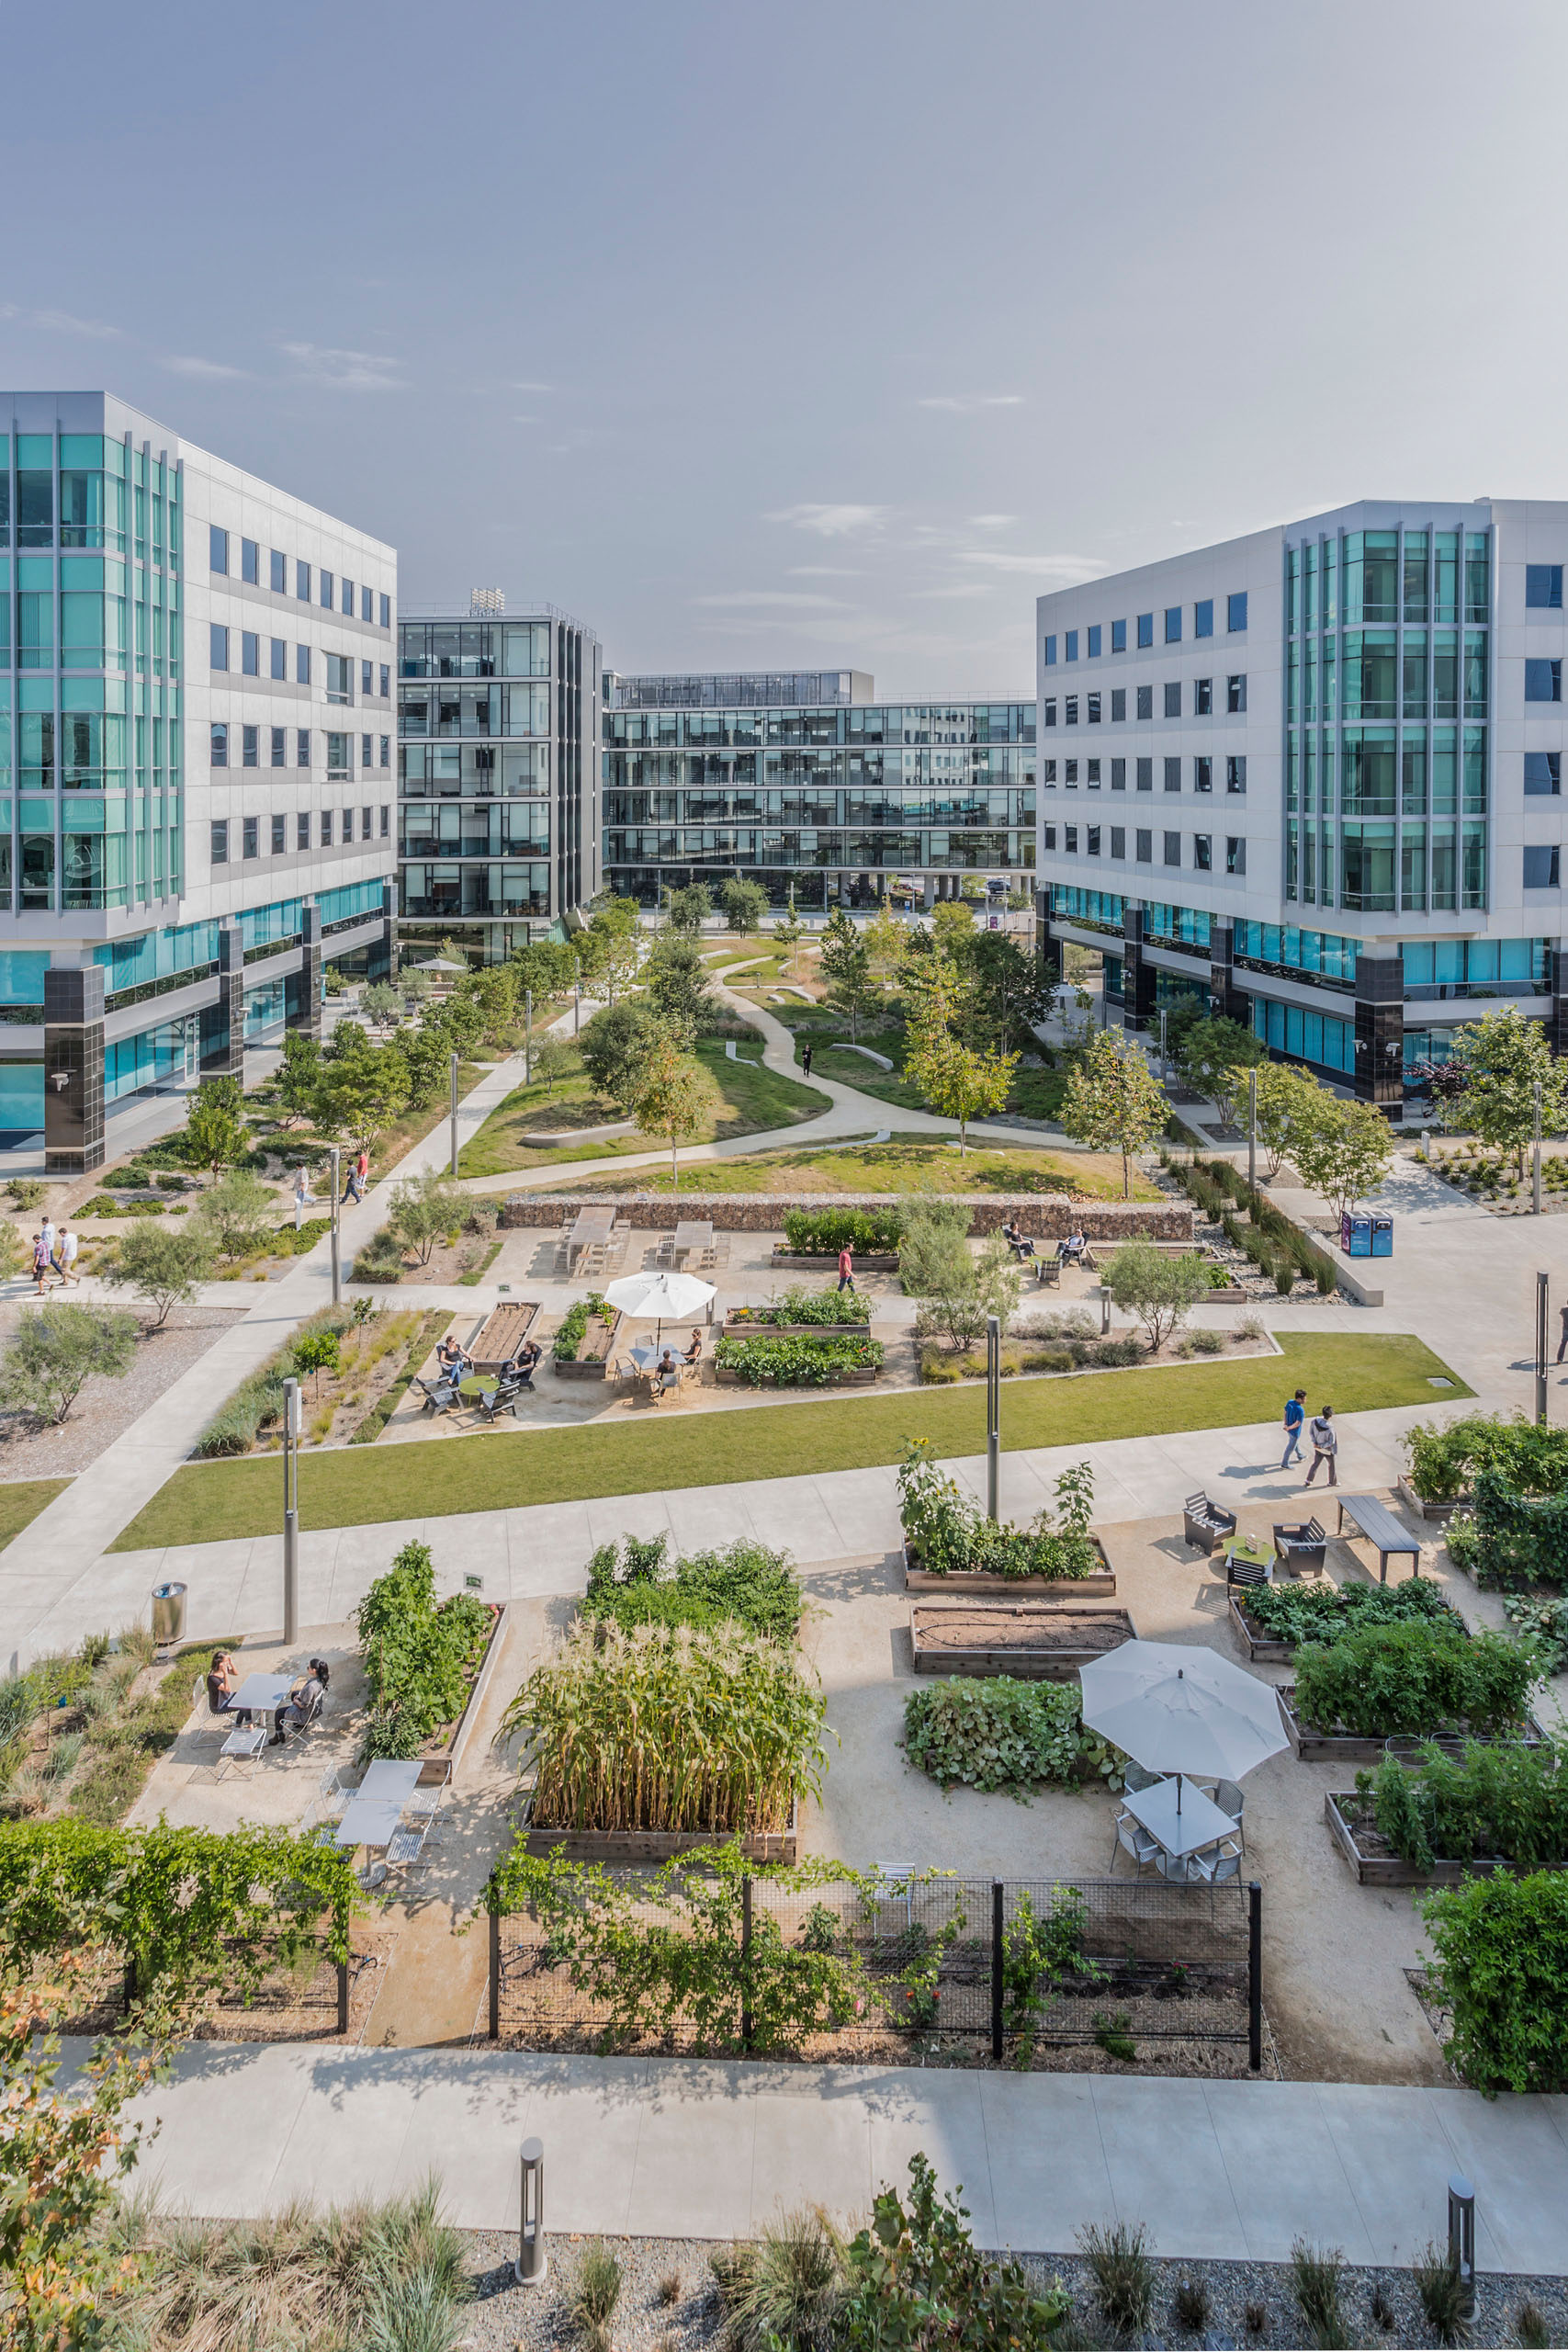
x=229, y=1060
x=72, y=1069
x=309, y=1021
x=1139, y=979
x=1379, y=1032
x=1047, y=948
x=1557, y=981
x=384, y=954
x=1224, y=998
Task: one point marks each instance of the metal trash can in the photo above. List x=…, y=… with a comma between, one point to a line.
x=1382, y=1236
x=1356, y=1235
x=168, y=1615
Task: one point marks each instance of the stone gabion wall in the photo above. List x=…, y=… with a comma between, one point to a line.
x=1045, y=1216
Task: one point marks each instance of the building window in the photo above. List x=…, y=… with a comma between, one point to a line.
x=302, y=581
x=1070, y=839
x=1145, y=628
x=1145, y=776
x=326, y=588
x=219, y=642
x=1202, y=698
x=1144, y=847
x=1173, y=776
x=1093, y=776
x=1072, y=772
x=326, y=828
x=1544, y=585
x=1093, y=701
x=1173, y=698
x=279, y=650
x=339, y=677
x=337, y=758
x=386, y=612
x=367, y=679
x=1145, y=702
x=1173, y=624
x=1049, y=710
x=367, y=604
x=386, y=759
x=1202, y=773
x=1072, y=645
x=1048, y=775
x=1118, y=637
x=1118, y=703
x=366, y=823
x=1235, y=855
x=218, y=549
x=221, y=841
x=219, y=752
x=386, y=682
x=1050, y=836
x=302, y=747
x=1117, y=775
x=1236, y=613
x=1203, y=852
x=1070, y=715
x=385, y=819
x=279, y=836
x=302, y=829
x=1173, y=849
x=1049, y=655
x=280, y=747
x=1118, y=840
x=1236, y=693
x=1235, y=773
x=301, y=665
x=1541, y=869
x=348, y=598
x=249, y=562
x=1544, y=772
x=364, y=748
x=1203, y=619
x=1094, y=642
x=251, y=752
x=1091, y=841
x=1543, y=680
x=279, y=572
x=250, y=654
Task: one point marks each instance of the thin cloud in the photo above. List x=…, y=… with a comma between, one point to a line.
x=992, y=522
x=791, y=599
x=62, y=322
x=530, y=387
x=966, y=403
x=821, y=572
x=345, y=371
x=958, y=588
x=830, y=522
x=205, y=371
x=1067, y=566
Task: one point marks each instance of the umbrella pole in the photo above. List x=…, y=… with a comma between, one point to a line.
x=1178, y=1793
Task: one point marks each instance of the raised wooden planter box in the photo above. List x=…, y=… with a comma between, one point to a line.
x=867, y=1261
x=1262, y=1647
x=629, y=1846
x=502, y=1333
x=593, y=1362
x=1315, y=1746
x=1388, y=1870
x=446, y=1760
x=968, y=1583
x=854, y=1376
x=1439, y=1514
x=749, y=1326
x=1223, y=1299
x=1033, y=1641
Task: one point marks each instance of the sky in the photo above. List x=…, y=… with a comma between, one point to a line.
x=805, y=335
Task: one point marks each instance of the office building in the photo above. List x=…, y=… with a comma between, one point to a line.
x=803, y=783
x=196, y=762
x=498, y=725
x=1312, y=777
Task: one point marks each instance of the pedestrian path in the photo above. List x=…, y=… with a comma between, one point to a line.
x=1227, y=2170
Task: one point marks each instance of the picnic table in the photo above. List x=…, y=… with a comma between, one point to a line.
x=1386, y=1534
x=388, y=1781
x=590, y=1230
x=369, y=1821
x=693, y=1232
x=1200, y=1822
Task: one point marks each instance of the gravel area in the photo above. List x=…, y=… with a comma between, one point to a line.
x=509, y=2318
x=1210, y=1240
x=106, y=1409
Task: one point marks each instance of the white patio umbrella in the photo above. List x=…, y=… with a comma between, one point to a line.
x=440, y=964
x=1175, y=1709
x=658, y=1295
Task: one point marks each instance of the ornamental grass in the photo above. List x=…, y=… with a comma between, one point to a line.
x=669, y=1728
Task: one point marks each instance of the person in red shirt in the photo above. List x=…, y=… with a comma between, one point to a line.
x=846, y=1269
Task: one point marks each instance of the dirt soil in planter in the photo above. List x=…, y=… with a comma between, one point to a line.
x=1042, y=1627
x=106, y=1409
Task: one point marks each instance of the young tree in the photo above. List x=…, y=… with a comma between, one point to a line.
x=1502, y=1058
x=846, y=968
x=494, y=988
x=362, y=1089
x=315, y=1352
x=614, y=1047
x=414, y=986
x=162, y=1264
x=548, y=967
x=1006, y=991
x=690, y=908
x=216, y=1134
x=552, y=1060
x=887, y=943
x=676, y=1098
x=997, y=1279
x=1113, y=1102
x=745, y=905
x=1341, y=1149
x=953, y=927
x=1215, y=1055
x=424, y=1210
x=55, y=1350
x=1156, y=1288
x=1287, y=1103
x=787, y=933
x=380, y=1003
x=236, y=1215
x=615, y=926
x=956, y=1082
x=299, y=1072
x=680, y=986
x=933, y=1251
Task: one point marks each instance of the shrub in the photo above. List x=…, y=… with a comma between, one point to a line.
x=746, y=1585
x=424, y=1209
x=997, y=1733
x=1499, y=1967
x=1442, y=1457
x=823, y=1232
x=1317, y=2274
x=1419, y=1677
x=1052, y=1360
x=236, y=1213
x=951, y=1535
x=933, y=1250
x=419, y=1654
x=1207, y=1343
x=1156, y=1288
x=258, y=1401
x=1508, y=1800
x=915, y=2262
x=807, y=1306
x=794, y=1362
x=573, y=1326
x=784, y=2290
x=1322, y=1612
x=1123, y=2275
x=55, y=1350
x=379, y=1260
x=1512, y=1539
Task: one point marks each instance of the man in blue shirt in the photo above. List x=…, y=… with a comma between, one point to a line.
x=1295, y=1416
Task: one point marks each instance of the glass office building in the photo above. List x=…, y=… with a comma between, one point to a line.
x=498, y=806
x=833, y=799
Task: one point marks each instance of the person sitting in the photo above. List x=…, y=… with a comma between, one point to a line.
x=521, y=1369
x=453, y=1362
x=302, y=1705
x=668, y=1371
x=222, y=1681
x=1071, y=1250
x=693, y=1353
x=1013, y=1237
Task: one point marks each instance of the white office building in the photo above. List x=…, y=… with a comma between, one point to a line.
x=1313, y=777
x=196, y=778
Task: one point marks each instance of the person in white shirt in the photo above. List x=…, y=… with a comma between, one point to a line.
x=66, y=1262
x=301, y=1195
x=47, y=1235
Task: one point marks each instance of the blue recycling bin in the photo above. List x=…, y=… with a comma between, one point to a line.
x=1382, y=1236
x=1355, y=1235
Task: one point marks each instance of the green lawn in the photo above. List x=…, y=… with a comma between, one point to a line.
x=753, y=1100
x=22, y=1500
x=903, y=1164
x=1036, y=1094
x=206, y=1501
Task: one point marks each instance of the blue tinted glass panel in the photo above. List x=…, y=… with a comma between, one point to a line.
x=1544, y=585
x=1072, y=645
x=1236, y=612
x=1543, y=680
x=1544, y=772
x=1204, y=617
x=1094, y=641
x=1173, y=624
x=1118, y=637
x=1145, y=628
x=1050, y=651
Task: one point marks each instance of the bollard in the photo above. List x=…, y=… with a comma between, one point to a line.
x=531, y=2264
x=1461, y=2241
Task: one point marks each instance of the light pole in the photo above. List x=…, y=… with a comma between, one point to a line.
x=1252, y=1130
x=993, y=1411
x=1164, y=1067
x=337, y=1254
x=1541, y=1285
x=290, y=1513
x=454, y=1112
x=527, y=1036
x=577, y=1007
x=1535, y=1168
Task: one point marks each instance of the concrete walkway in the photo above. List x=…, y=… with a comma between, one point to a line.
x=1230, y=2170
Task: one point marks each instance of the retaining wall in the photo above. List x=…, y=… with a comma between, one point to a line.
x=1044, y=1217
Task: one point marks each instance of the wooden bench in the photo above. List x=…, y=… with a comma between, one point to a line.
x=1386, y=1534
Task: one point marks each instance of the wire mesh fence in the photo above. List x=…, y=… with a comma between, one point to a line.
x=860, y=1969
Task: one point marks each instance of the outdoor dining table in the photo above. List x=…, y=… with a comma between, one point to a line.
x=693, y=1233
x=1200, y=1822
x=590, y=1230
x=260, y=1694
x=388, y=1782
x=1251, y=1549
x=369, y=1821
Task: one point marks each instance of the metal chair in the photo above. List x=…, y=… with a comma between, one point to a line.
x=503, y=1399
x=1203, y=1523
x=1219, y=1864
x=440, y=1394
x=333, y=1795
x=1178, y=1868
x=1135, y=1777
x=1300, y=1546
x=245, y=1744
x=1132, y=1838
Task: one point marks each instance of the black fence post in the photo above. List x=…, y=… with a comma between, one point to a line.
x=343, y=1996
x=494, y=1970
x=1255, y=1976
x=746, y=1967
x=130, y=1992
x=996, y=1955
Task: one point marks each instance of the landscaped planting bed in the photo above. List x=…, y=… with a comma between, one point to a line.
x=585, y=1339
x=426, y=1663
x=1002, y=1734
x=814, y=1237
x=637, y=1583
x=1031, y=1641
x=1495, y=1807
x=1272, y=1620
x=502, y=1334
x=1421, y=1679
x=803, y=1360
x=353, y=1361
x=950, y=1546
x=800, y=1312
x=1445, y=1458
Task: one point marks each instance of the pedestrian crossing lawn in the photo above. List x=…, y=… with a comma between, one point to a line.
x=357, y=1485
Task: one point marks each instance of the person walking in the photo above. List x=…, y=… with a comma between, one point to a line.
x=1295, y=1419
x=361, y=1175
x=1562, y=1342
x=41, y=1263
x=301, y=1195
x=47, y=1236
x=805, y=1072
x=1325, y=1444
x=65, y=1264
x=846, y=1269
